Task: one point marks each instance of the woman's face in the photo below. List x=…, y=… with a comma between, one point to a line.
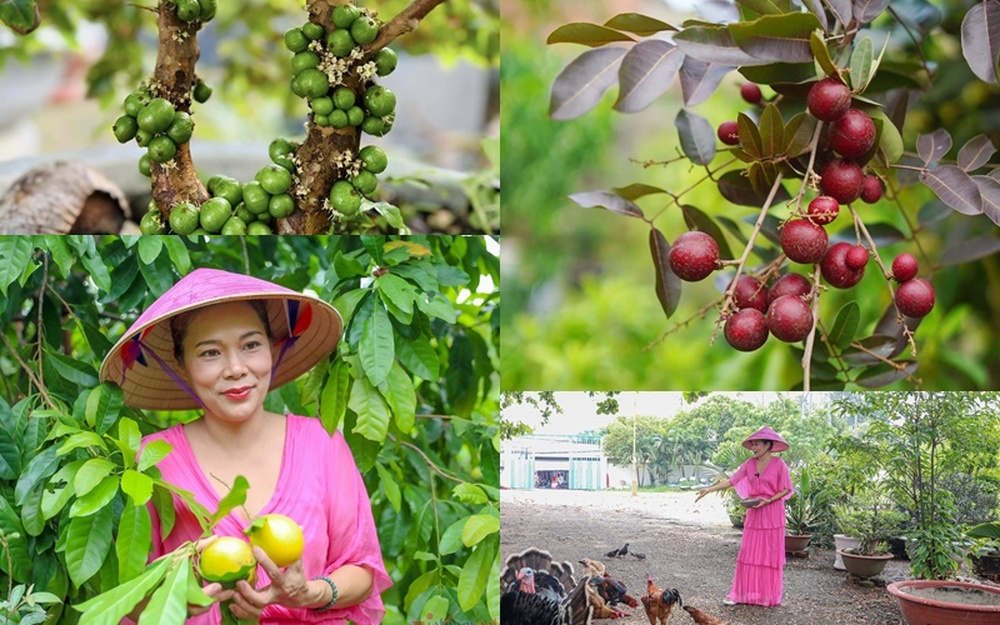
x=228, y=360
x=759, y=448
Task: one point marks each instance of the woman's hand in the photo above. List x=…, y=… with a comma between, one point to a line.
x=702, y=493
x=288, y=588
x=762, y=503
x=213, y=590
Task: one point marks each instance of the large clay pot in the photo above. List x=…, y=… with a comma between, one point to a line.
x=842, y=541
x=923, y=610
x=864, y=566
x=797, y=543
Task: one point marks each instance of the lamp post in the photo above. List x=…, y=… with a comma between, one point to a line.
x=635, y=470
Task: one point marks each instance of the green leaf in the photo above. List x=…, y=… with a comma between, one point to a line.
x=697, y=137
x=846, y=325
x=39, y=468
x=397, y=389
x=104, y=406
x=59, y=250
x=72, y=370
x=394, y=289
x=772, y=131
x=111, y=607
x=476, y=574
x=98, y=271
x=779, y=74
x=479, y=526
x=150, y=248
x=822, y=53
x=333, y=399
x=10, y=456
x=435, y=610
x=163, y=501
x=393, y=216
x=373, y=413
x=470, y=493
x=389, y=486
x=236, y=497
x=138, y=486
x=15, y=255
x=639, y=24
x=22, y=16
x=21, y=558
x=419, y=357
x=783, y=38
x=99, y=497
x=883, y=374
x=587, y=34
x=90, y=475
x=749, y=136
x=178, y=253
x=766, y=7
x=714, y=44
x=132, y=545
x=376, y=349
x=84, y=438
x=88, y=540
x=637, y=190
x=169, y=602
x=451, y=539
x=861, y=65
x=798, y=135
x=153, y=453
x=31, y=513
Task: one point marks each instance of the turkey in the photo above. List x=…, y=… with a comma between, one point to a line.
x=701, y=618
x=658, y=603
x=534, y=592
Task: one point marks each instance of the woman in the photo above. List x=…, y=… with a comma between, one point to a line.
x=758, y=579
x=220, y=341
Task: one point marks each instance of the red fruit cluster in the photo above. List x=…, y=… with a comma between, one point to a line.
x=780, y=310
x=915, y=296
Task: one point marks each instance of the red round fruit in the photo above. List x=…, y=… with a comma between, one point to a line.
x=803, y=241
x=789, y=319
x=789, y=284
x=904, y=267
x=729, y=133
x=871, y=189
x=823, y=210
x=828, y=99
x=835, y=270
x=857, y=258
x=693, y=256
x=746, y=330
x=915, y=298
x=751, y=93
x=853, y=134
x=750, y=294
x=842, y=180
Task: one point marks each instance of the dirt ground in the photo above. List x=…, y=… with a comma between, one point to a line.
x=688, y=546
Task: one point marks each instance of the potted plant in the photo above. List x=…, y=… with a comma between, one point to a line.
x=737, y=513
x=803, y=512
x=986, y=558
x=869, y=518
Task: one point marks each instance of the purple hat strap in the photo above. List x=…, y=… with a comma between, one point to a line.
x=170, y=372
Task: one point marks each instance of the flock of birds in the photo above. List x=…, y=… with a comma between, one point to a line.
x=535, y=590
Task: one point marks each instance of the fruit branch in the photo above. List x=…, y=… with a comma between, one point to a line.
x=430, y=463
x=813, y=144
x=677, y=196
x=811, y=337
x=405, y=21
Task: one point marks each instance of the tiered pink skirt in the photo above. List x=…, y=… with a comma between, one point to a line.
x=758, y=579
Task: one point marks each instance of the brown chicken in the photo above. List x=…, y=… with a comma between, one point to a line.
x=701, y=618
x=601, y=607
x=658, y=603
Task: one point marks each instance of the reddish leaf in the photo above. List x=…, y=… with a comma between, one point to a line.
x=976, y=153
x=713, y=44
x=933, y=146
x=842, y=10
x=867, y=10
x=883, y=375
x=989, y=188
x=581, y=85
x=736, y=187
x=588, y=34
x=642, y=25
x=956, y=188
x=782, y=38
x=697, y=137
x=668, y=285
x=610, y=201
x=700, y=79
x=646, y=72
x=816, y=8
x=969, y=250
x=981, y=39
x=698, y=220
x=879, y=344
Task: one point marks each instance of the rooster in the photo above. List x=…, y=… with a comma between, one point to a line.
x=701, y=618
x=534, y=592
x=613, y=591
x=604, y=591
x=658, y=603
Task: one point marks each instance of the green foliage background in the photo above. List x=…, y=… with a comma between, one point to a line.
x=426, y=439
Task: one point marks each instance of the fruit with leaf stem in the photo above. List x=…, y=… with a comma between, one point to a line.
x=729, y=132
x=828, y=99
x=842, y=180
x=915, y=298
x=852, y=134
x=823, y=209
x=803, y=241
x=871, y=189
x=904, y=267
x=750, y=293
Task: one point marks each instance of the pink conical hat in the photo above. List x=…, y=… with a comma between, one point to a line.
x=307, y=329
x=767, y=434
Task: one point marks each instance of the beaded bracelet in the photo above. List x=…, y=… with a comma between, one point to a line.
x=333, y=598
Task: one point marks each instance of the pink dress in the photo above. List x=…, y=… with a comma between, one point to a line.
x=758, y=578
x=319, y=486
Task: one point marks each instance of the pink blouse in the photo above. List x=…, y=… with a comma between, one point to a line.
x=773, y=478
x=319, y=486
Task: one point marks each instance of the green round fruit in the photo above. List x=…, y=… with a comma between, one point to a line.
x=321, y=120
x=343, y=98
x=245, y=215
x=279, y=147
x=281, y=206
x=225, y=187
x=144, y=167
x=310, y=83
x=321, y=106
x=183, y=218
x=188, y=10
x=134, y=102
x=143, y=138
x=385, y=61
x=156, y=116
x=152, y=222
x=285, y=162
x=255, y=198
x=182, y=128
x=338, y=119
x=202, y=92
x=340, y=43
x=125, y=128
x=365, y=182
x=235, y=226
x=303, y=61
x=275, y=179
x=214, y=213
x=208, y=8
x=313, y=31
x=364, y=30
x=374, y=126
x=259, y=228
x=355, y=115
x=345, y=14
x=344, y=198
x=162, y=149
x=296, y=40
x=379, y=101
x=373, y=159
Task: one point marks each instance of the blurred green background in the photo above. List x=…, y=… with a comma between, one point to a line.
x=581, y=311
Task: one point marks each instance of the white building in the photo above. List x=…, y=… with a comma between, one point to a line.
x=559, y=461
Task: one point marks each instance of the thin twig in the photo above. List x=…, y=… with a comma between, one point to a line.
x=811, y=337
x=39, y=323
x=27, y=370
x=431, y=464
x=676, y=197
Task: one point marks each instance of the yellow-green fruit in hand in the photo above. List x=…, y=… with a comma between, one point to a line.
x=226, y=560
x=279, y=536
